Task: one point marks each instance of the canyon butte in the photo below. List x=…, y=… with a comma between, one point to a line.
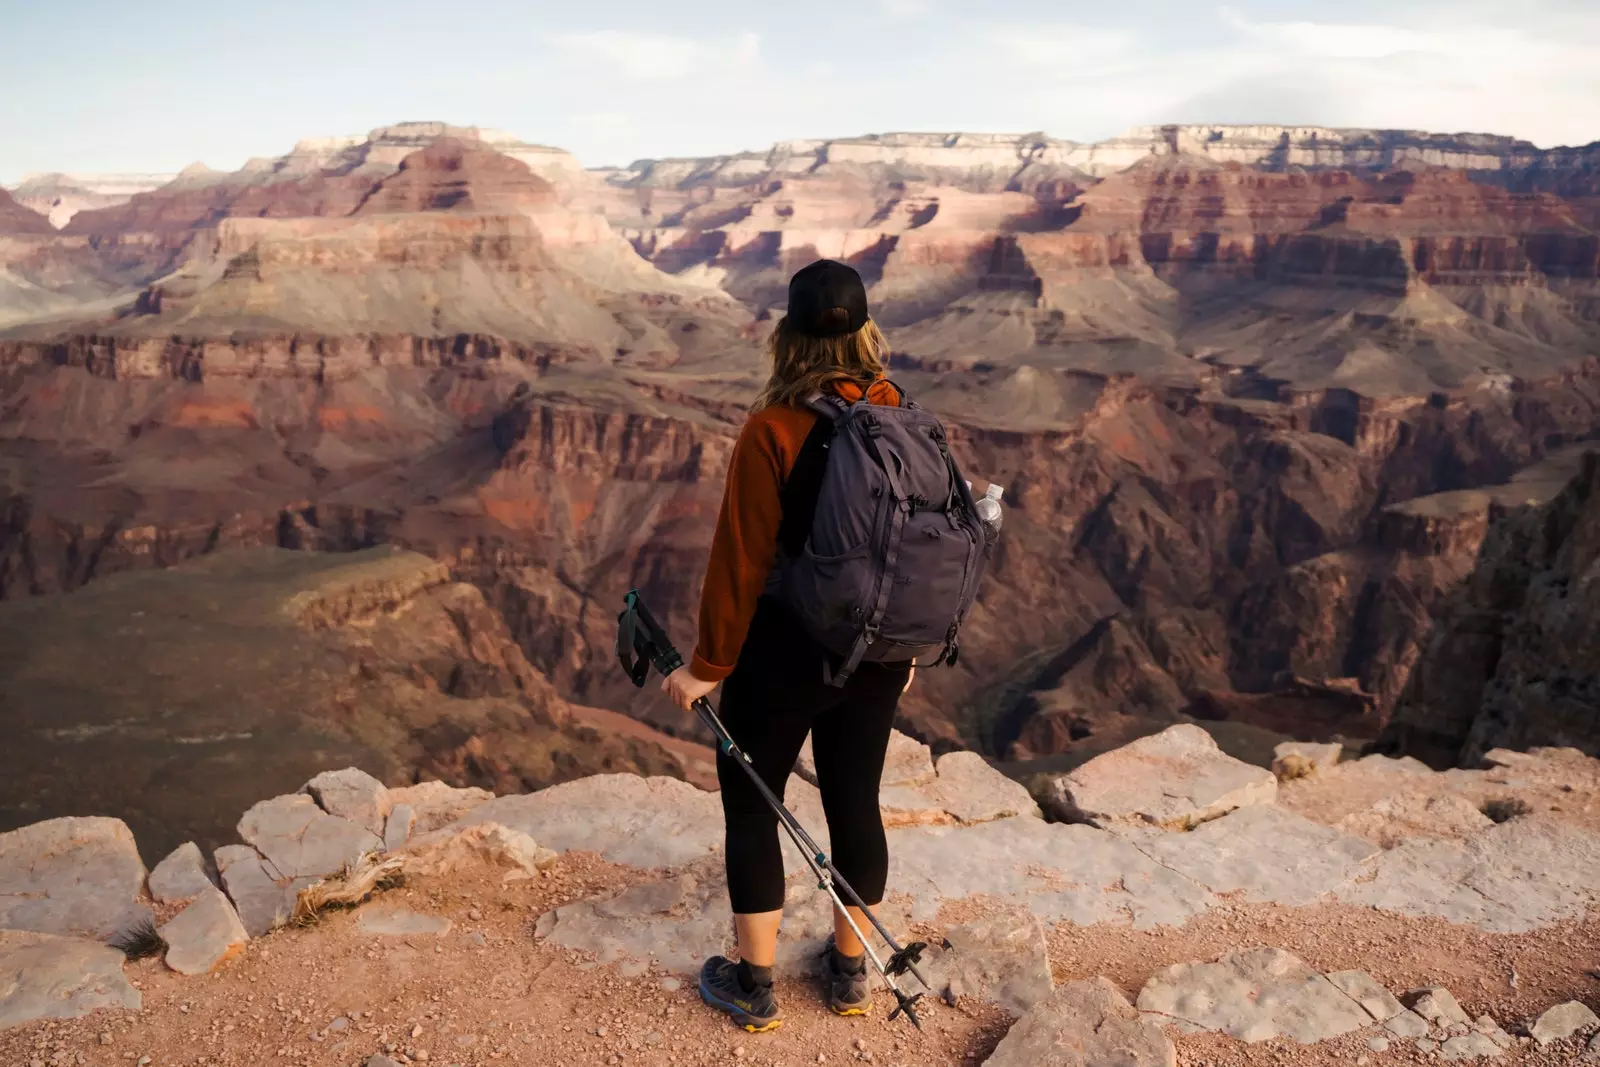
x=348, y=456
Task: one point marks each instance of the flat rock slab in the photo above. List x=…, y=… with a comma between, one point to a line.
x=1084, y=1024
x=400, y=923
x=908, y=762
x=1437, y=1005
x=642, y=822
x=1364, y=989
x=1254, y=995
x=1561, y=1022
x=1407, y=1024
x=300, y=840
x=47, y=977
x=204, y=934
x=1521, y=875
x=352, y=794
x=1175, y=779
x=1269, y=854
x=181, y=876
x=964, y=790
x=1059, y=872
x=1001, y=958
x=71, y=877
x=679, y=920
x=264, y=901
x=1468, y=1047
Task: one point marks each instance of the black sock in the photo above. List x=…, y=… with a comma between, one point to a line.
x=751, y=977
x=843, y=964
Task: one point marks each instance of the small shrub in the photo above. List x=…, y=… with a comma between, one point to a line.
x=140, y=941
x=1501, y=809
x=1291, y=766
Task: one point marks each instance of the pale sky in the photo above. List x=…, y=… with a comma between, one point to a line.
x=112, y=86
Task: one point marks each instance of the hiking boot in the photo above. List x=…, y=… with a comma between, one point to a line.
x=848, y=990
x=754, y=1009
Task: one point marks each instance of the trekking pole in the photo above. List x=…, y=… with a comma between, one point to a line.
x=643, y=643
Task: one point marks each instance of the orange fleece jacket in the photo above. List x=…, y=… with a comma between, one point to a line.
x=746, y=542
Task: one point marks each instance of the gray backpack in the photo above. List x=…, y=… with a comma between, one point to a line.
x=885, y=566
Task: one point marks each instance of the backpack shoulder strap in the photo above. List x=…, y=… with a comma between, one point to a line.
x=905, y=397
x=829, y=406
x=798, y=498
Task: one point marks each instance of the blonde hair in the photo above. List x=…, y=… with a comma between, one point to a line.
x=802, y=365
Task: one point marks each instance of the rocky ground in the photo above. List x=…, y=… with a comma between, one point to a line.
x=1191, y=915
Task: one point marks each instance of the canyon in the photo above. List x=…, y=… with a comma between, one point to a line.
x=1265, y=401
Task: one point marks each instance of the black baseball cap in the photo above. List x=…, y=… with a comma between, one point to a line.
x=827, y=299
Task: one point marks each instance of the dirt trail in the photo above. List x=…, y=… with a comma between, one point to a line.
x=485, y=992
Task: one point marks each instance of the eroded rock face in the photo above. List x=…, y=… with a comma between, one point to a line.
x=71, y=877
x=1176, y=779
x=1515, y=659
x=48, y=977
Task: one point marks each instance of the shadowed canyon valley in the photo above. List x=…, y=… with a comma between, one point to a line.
x=347, y=457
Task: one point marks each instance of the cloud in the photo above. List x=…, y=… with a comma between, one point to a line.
x=655, y=56
x=1067, y=47
x=905, y=9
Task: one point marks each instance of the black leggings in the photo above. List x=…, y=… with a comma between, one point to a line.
x=773, y=698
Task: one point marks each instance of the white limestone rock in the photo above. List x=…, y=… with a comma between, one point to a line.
x=71, y=877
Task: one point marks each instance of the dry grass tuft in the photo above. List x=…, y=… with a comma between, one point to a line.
x=360, y=880
x=140, y=941
x=1503, y=809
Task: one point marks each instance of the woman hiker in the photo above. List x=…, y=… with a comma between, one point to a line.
x=778, y=682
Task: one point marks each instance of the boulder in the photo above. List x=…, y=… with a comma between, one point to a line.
x=1561, y=1022
x=1312, y=757
x=302, y=840
x=1438, y=1005
x=181, y=876
x=437, y=804
x=204, y=934
x=1364, y=989
x=1084, y=1024
x=908, y=762
x=490, y=843
x=1000, y=958
x=263, y=900
x=72, y=877
x=398, y=827
x=47, y=977
x=352, y=794
x=1176, y=779
x=1254, y=995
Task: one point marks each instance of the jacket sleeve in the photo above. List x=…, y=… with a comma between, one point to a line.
x=742, y=550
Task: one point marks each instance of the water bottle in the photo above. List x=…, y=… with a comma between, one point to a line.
x=989, y=511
